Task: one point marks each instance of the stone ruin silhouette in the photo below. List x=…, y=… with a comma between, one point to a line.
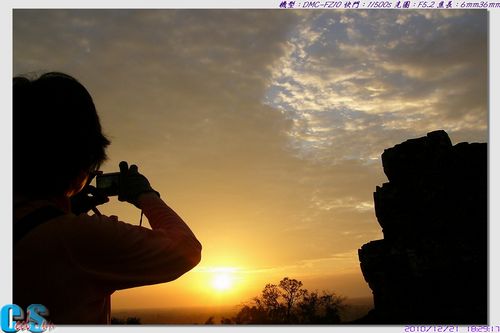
x=431, y=267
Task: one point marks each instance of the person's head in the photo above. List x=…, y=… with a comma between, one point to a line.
x=57, y=137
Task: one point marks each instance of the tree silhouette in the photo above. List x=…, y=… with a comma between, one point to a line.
x=288, y=303
x=291, y=293
x=308, y=307
x=269, y=303
x=128, y=321
x=321, y=309
x=133, y=321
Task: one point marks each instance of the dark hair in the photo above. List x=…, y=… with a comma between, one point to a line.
x=56, y=134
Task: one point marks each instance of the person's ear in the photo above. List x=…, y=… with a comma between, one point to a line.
x=77, y=184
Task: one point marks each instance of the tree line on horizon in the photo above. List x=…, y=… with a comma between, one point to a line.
x=287, y=303
x=127, y=321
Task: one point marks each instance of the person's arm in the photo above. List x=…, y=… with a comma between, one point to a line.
x=118, y=255
x=159, y=214
x=115, y=255
x=136, y=189
x=162, y=217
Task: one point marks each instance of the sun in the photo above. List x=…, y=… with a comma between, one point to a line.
x=222, y=281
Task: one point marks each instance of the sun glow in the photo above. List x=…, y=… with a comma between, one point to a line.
x=222, y=281
x=222, y=278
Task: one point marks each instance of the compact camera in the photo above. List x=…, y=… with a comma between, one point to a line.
x=108, y=183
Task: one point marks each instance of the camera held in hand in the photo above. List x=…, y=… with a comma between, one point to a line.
x=108, y=183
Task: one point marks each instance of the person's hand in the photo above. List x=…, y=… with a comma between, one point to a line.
x=89, y=197
x=132, y=184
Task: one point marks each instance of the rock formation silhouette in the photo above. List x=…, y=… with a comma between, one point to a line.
x=431, y=266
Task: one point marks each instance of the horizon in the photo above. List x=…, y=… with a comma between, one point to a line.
x=349, y=300
x=265, y=134
x=356, y=308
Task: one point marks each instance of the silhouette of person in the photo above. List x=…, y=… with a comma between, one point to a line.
x=63, y=258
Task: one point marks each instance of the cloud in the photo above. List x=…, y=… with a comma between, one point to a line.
x=363, y=74
x=332, y=264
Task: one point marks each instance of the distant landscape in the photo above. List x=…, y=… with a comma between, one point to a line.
x=356, y=308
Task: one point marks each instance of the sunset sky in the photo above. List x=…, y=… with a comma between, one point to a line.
x=263, y=129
